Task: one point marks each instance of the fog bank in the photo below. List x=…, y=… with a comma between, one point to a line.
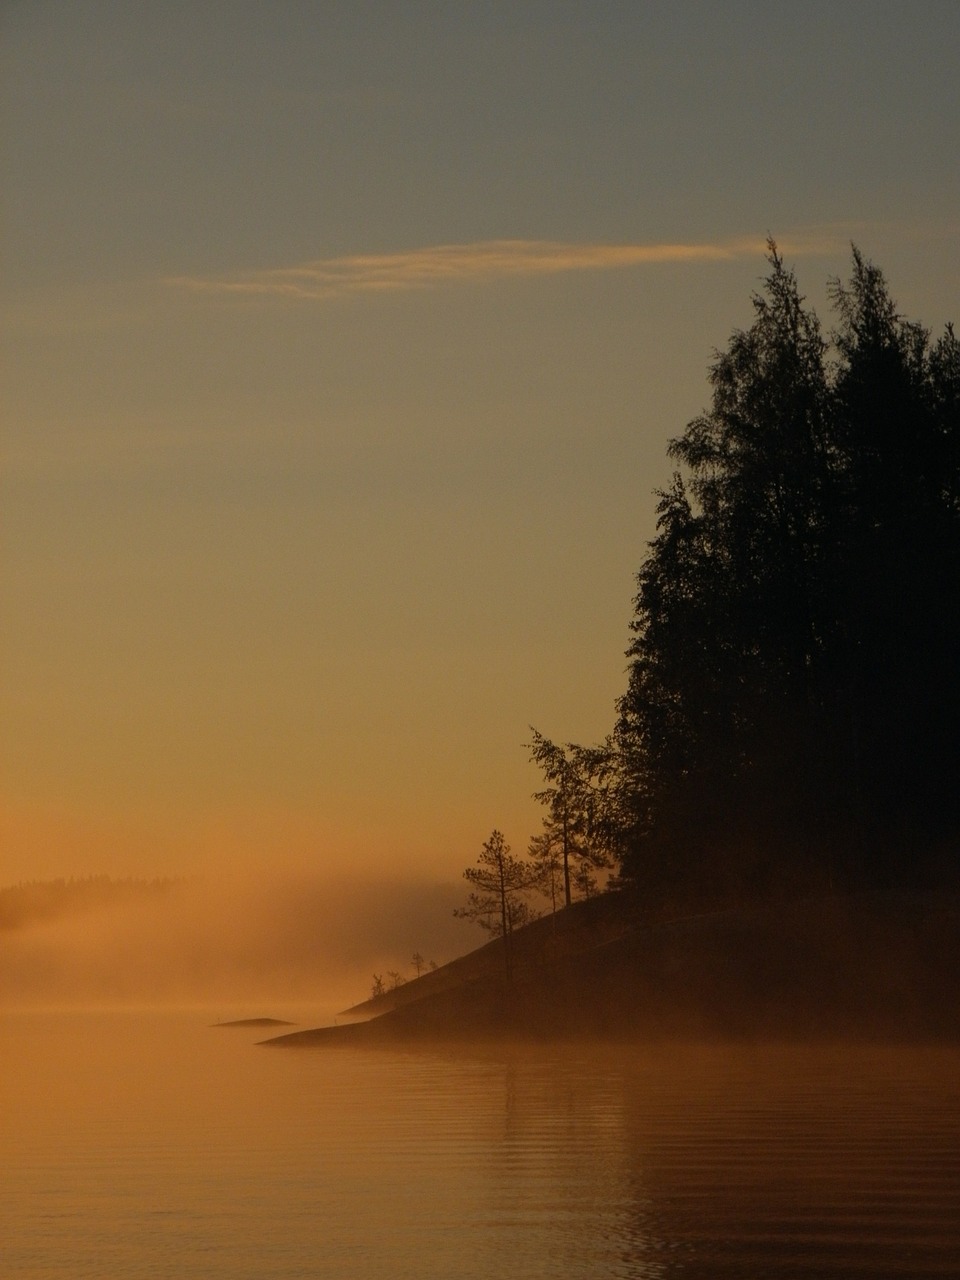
x=240, y=938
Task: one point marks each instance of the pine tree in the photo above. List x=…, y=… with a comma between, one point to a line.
x=793, y=681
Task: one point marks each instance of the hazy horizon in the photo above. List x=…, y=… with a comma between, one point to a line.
x=239, y=940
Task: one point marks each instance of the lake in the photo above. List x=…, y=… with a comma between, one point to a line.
x=153, y=1145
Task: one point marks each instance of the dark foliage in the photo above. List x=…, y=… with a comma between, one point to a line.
x=575, y=841
x=791, y=717
x=497, y=901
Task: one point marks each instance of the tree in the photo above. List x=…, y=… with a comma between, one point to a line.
x=547, y=862
x=898, y=571
x=418, y=962
x=578, y=824
x=496, y=902
x=730, y=623
x=792, y=680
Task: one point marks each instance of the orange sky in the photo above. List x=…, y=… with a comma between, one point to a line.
x=343, y=343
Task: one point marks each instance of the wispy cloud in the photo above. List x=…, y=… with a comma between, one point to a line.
x=481, y=261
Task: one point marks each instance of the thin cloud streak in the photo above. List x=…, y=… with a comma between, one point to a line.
x=479, y=262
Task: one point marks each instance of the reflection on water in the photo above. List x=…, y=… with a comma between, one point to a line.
x=154, y=1145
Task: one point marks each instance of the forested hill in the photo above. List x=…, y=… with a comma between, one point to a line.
x=873, y=966
x=791, y=721
x=34, y=901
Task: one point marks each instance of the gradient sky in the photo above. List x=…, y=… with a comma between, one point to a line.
x=342, y=342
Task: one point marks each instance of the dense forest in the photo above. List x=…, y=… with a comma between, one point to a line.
x=790, y=721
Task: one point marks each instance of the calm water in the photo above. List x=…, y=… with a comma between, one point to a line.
x=155, y=1146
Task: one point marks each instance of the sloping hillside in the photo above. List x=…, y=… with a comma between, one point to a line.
x=535, y=947
x=875, y=965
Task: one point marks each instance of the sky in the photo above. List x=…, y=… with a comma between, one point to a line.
x=342, y=342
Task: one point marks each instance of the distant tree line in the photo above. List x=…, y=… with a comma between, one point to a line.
x=791, y=719
x=33, y=901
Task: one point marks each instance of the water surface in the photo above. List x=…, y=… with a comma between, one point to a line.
x=152, y=1145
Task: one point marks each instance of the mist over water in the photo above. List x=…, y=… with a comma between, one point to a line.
x=154, y=1145
x=148, y=1141
x=232, y=938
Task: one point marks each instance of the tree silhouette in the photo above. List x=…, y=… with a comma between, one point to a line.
x=577, y=827
x=793, y=672
x=496, y=902
x=547, y=862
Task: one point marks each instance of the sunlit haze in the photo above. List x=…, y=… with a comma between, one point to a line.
x=416, y=860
